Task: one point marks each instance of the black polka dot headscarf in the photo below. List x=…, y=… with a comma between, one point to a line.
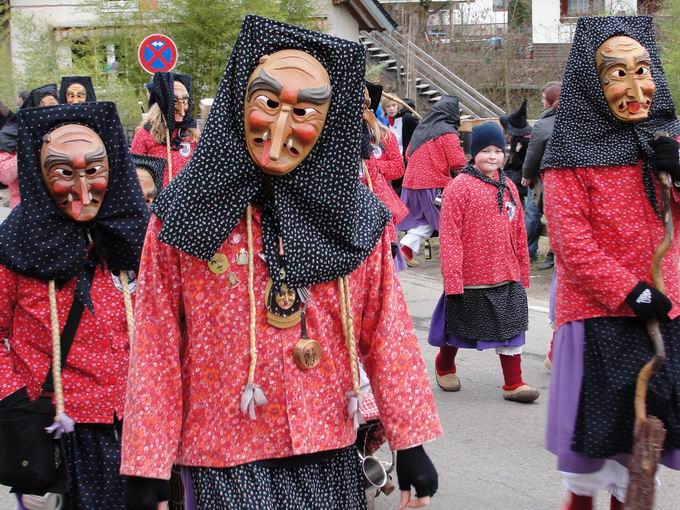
x=328, y=220
x=38, y=239
x=586, y=132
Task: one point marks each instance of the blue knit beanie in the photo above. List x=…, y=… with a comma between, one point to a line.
x=484, y=135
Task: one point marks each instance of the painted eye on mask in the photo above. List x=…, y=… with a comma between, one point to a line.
x=642, y=71
x=93, y=171
x=63, y=172
x=304, y=112
x=268, y=102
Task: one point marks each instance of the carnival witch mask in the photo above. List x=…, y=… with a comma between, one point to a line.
x=624, y=68
x=286, y=104
x=76, y=93
x=181, y=101
x=75, y=170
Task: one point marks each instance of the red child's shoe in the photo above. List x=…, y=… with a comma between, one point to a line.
x=575, y=502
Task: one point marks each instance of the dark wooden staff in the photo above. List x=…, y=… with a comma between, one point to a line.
x=649, y=430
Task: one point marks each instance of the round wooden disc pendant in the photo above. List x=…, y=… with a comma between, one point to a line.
x=307, y=353
x=219, y=263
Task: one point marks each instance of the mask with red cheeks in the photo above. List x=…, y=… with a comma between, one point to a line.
x=285, y=109
x=624, y=68
x=75, y=170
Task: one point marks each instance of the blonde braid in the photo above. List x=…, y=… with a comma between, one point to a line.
x=251, y=296
x=56, y=350
x=369, y=182
x=348, y=327
x=167, y=145
x=127, y=299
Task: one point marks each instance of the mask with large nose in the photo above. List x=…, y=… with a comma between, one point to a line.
x=624, y=68
x=285, y=109
x=75, y=170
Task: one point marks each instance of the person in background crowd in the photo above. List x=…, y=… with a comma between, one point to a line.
x=518, y=133
x=266, y=275
x=170, y=112
x=40, y=97
x=81, y=224
x=402, y=124
x=150, y=174
x=382, y=163
x=485, y=268
x=540, y=135
x=76, y=90
x=434, y=155
x=602, y=189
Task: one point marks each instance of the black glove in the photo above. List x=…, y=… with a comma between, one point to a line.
x=648, y=303
x=145, y=493
x=414, y=468
x=666, y=158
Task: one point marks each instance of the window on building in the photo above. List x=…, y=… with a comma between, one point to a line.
x=575, y=8
x=500, y=5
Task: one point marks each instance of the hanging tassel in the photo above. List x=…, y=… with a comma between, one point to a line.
x=63, y=424
x=252, y=397
x=353, y=404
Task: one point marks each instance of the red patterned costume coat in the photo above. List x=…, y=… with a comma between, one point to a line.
x=430, y=165
x=388, y=167
x=143, y=143
x=604, y=233
x=96, y=368
x=189, y=364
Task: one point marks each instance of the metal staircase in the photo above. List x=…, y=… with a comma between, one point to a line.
x=432, y=78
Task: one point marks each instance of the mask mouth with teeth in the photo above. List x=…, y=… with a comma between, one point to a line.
x=75, y=170
x=286, y=105
x=624, y=68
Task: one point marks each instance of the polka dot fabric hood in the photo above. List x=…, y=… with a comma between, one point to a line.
x=163, y=94
x=328, y=220
x=37, y=239
x=586, y=132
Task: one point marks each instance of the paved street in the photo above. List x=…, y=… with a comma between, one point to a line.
x=491, y=456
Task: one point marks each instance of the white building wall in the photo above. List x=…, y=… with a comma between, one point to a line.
x=548, y=28
x=339, y=22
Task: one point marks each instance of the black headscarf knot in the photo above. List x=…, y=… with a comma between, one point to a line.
x=586, y=133
x=328, y=220
x=38, y=240
x=501, y=184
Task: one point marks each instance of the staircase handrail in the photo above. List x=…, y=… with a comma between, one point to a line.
x=466, y=93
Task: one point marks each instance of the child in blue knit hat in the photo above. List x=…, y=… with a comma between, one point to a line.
x=485, y=266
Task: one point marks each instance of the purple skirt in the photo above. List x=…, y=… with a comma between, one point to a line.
x=421, y=209
x=399, y=262
x=563, y=405
x=438, y=337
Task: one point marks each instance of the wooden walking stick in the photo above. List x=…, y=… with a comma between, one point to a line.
x=649, y=430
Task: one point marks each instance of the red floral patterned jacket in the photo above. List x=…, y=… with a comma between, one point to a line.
x=143, y=143
x=189, y=364
x=430, y=165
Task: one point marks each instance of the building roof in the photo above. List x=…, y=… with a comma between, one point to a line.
x=369, y=14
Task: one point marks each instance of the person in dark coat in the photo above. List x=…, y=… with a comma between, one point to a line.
x=540, y=135
x=517, y=133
